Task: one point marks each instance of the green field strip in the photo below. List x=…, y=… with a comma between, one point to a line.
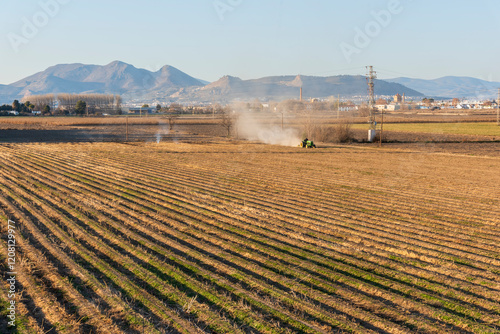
x=477, y=129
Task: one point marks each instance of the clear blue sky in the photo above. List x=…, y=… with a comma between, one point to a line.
x=254, y=38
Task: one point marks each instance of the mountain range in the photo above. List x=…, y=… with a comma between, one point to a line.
x=169, y=84
x=115, y=78
x=279, y=88
x=452, y=86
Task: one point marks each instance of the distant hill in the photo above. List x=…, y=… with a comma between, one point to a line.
x=278, y=88
x=8, y=93
x=172, y=85
x=451, y=87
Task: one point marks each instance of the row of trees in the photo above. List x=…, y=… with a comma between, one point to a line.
x=68, y=103
x=103, y=103
x=41, y=101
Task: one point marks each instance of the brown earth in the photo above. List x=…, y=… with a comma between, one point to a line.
x=236, y=237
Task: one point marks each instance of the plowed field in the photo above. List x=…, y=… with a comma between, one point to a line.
x=249, y=238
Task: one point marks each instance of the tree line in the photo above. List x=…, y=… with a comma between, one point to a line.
x=95, y=103
x=65, y=104
x=16, y=106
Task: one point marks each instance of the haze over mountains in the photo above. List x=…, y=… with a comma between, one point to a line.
x=172, y=85
x=451, y=86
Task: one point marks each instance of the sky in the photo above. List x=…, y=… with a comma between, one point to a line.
x=250, y=39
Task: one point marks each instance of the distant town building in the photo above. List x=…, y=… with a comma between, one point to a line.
x=399, y=99
x=350, y=107
x=387, y=107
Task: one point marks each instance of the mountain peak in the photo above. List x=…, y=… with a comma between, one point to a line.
x=117, y=63
x=118, y=66
x=169, y=69
x=166, y=68
x=229, y=79
x=223, y=84
x=297, y=82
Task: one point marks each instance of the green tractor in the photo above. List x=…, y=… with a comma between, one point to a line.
x=307, y=144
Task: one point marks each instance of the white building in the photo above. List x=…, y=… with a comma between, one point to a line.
x=348, y=108
x=387, y=107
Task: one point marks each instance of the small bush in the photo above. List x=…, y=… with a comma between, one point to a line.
x=337, y=133
x=364, y=111
x=343, y=132
x=324, y=133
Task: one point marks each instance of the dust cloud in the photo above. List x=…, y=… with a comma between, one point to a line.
x=163, y=130
x=265, y=130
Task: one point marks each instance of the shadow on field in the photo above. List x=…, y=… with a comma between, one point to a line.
x=85, y=135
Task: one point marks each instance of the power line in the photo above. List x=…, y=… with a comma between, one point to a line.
x=370, y=78
x=498, y=107
x=393, y=72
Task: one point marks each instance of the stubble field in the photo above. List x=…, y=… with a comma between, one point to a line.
x=238, y=237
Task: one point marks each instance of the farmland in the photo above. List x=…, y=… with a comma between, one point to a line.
x=237, y=237
x=473, y=129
